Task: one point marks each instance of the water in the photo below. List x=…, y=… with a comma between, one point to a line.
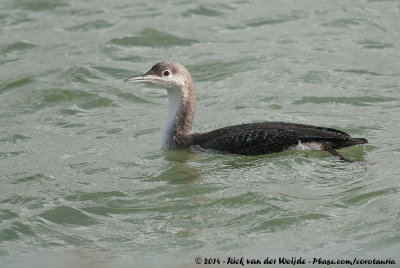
x=83, y=178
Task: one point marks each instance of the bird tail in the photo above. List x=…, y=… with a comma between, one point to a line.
x=356, y=141
x=350, y=142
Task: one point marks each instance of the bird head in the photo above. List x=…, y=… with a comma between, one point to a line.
x=169, y=75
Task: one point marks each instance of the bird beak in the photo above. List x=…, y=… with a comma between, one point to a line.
x=142, y=78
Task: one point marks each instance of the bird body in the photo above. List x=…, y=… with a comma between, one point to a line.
x=247, y=139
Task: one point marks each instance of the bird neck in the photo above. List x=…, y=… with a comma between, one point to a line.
x=181, y=109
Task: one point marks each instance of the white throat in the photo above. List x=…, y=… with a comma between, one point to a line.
x=175, y=110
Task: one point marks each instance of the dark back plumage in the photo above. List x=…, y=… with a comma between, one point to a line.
x=272, y=137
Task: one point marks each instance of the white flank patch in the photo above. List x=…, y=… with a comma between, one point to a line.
x=307, y=146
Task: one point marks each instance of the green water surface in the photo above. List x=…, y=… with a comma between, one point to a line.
x=82, y=175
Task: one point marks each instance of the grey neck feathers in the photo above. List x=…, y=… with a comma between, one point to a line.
x=181, y=110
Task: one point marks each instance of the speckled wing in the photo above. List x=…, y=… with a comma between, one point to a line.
x=271, y=137
x=251, y=142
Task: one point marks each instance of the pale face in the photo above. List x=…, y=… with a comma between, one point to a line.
x=169, y=75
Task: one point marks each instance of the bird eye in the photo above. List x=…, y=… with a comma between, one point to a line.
x=166, y=73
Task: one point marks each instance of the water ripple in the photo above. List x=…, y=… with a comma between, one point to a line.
x=7, y=214
x=358, y=71
x=272, y=20
x=68, y=215
x=282, y=223
x=132, y=97
x=39, y=5
x=83, y=99
x=204, y=11
x=312, y=77
x=40, y=177
x=114, y=72
x=15, y=230
x=80, y=165
x=97, y=196
x=371, y=44
x=363, y=198
x=277, y=19
x=342, y=22
x=219, y=70
x=357, y=101
x=152, y=38
x=81, y=74
x=92, y=25
x=15, y=138
x=7, y=86
x=18, y=47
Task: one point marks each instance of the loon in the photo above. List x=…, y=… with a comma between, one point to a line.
x=246, y=139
